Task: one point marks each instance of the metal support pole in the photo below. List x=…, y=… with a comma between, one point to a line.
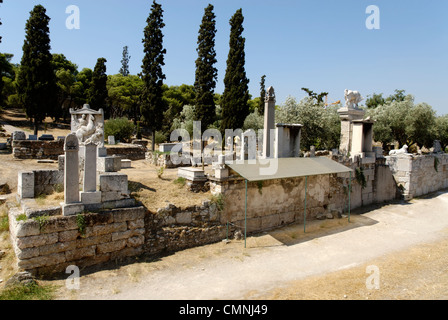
x=304, y=212
x=245, y=219
x=349, y=195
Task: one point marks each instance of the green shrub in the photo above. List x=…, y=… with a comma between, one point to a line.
x=122, y=129
x=160, y=137
x=181, y=181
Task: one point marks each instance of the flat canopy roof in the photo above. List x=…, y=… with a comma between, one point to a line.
x=269, y=169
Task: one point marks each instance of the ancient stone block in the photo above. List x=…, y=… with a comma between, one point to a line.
x=135, y=241
x=80, y=253
x=37, y=241
x=42, y=261
x=110, y=228
x=110, y=246
x=112, y=182
x=25, y=186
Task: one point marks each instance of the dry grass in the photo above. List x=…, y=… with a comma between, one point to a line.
x=155, y=192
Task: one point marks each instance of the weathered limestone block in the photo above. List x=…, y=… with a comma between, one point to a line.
x=37, y=241
x=109, y=164
x=42, y=261
x=111, y=182
x=72, y=255
x=109, y=228
x=110, y=246
x=135, y=241
x=94, y=240
x=25, y=186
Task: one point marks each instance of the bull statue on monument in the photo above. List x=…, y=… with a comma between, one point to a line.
x=352, y=99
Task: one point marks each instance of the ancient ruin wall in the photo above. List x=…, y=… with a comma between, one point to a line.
x=273, y=203
x=27, y=149
x=417, y=175
x=48, y=245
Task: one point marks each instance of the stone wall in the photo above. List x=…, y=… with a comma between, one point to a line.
x=26, y=149
x=34, y=183
x=49, y=244
x=163, y=159
x=273, y=203
x=131, y=152
x=418, y=175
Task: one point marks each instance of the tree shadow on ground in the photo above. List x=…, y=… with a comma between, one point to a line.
x=137, y=186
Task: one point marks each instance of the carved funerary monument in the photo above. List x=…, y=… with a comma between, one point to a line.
x=88, y=125
x=356, y=132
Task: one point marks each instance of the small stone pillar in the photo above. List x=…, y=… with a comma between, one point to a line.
x=248, y=145
x=90, y=194
x=269, y=123
x=71, y=205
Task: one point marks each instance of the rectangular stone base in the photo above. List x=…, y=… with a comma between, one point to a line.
x=192, y=174
x=126, y=163
x=72, y=209
x=108, y=164
x=90, y=197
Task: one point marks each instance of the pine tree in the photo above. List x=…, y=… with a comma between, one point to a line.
x=262, y=95
x=235, y=107
x=98, y=87
x=36, y=79
x=153, y=106
x=206, y=73
x=1, y=1
x=1, y=72
x=124, y=70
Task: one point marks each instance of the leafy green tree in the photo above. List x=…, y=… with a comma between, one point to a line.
x=121, y=128
x=153, y=106
x=399, y=96
x=442, y=130
x=206, y=73
x=98, y=87
x=59, y=62
x=375, y=100
x=319, y=97
x=124, y=96
x=7, y=76
x=421, y=126
x=36, y=78
x=175, y=98
x=66, y=72
x=404, y=122
x=390, y=121
x=1, y=1
x=124, y=70
x=235, y=98
x=82, y=86
x=321, y=127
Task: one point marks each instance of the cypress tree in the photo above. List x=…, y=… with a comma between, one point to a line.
x=124, y=70
x=235, y=107
x=262, y=95
x=36, y=79
x=1, y=1
x=206, y=73
x=1, y=72
x=98, y=87
x=153, y=106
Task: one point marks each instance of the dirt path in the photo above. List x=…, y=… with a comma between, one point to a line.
x=408, y=243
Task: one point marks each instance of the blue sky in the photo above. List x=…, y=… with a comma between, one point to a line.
x=323, y=45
